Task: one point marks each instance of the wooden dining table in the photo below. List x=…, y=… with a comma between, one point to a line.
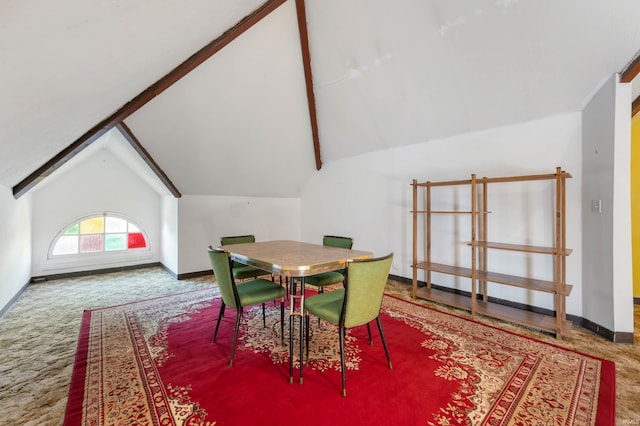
x=294, y=260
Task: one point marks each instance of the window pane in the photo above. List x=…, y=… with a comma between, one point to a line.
x=66, y=245
x=98, y=234
x=73, y=230
x=91, y=243
x=115, y=242
x=95, y=225
x=114, y=225
x=136, y=240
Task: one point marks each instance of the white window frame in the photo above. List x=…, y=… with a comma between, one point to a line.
x=103, y=256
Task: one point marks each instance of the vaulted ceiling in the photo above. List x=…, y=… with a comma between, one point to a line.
x=385, y=74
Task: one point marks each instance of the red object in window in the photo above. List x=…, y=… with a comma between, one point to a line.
x=136, y=240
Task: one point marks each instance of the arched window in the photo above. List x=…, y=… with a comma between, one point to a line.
x=96, y=234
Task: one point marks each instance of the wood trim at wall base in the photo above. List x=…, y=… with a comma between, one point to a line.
x=169, y=271
x=618, y=337
x=190, y=275
x=13, y=300
x=66, y=275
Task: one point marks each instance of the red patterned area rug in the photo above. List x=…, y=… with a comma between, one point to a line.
x=153, y=363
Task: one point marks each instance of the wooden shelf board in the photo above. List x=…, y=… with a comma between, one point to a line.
x=523, y=282
x=498, y=311
x=520, y=247
x=523, y=317
x=512, y=280
x=445, y=183
x=445, y=297
x=445, y=269
x=506, y=179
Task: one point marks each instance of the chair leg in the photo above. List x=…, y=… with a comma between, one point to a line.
x=320, y=291
x=264, y=317
x=235, y=335
x=344, y=378
x=306, y=330
x=370, y=337
x=384, y=342
x=282, y=321
x=220, y=315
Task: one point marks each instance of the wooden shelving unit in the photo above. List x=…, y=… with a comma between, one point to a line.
x=477, y=271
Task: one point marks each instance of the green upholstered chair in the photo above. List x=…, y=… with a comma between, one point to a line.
x=248, y=293
x=331, y=277
x=240, y=271
x=358, y=303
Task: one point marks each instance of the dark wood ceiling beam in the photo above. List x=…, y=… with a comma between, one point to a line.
x=308, y=77
x=144, y=154
x=56, y=162
x=631, y=70
x=635, y=106
x=143, y=98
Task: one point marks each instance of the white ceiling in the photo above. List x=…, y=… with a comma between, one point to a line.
x=385, y=74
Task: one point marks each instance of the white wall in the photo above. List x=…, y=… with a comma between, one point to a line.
x=368, y=197
x=100, y=183
x=15, y=251
x=169, y=233
x=202, y=220
x=607, y=265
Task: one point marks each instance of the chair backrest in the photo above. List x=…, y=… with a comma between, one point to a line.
x=222, y=270
x=364, y=285
x=238, y=239
x=334, y=241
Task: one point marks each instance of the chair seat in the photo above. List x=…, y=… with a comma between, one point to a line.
x=259, y=291
x=325, y=278
x=243, y=272
x=327, y=306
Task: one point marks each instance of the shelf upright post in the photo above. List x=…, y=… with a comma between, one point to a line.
x=563, y=249
x=427, y=230
x=557, y=258
x=414, y=263
x=484, y=237
x=473, y=243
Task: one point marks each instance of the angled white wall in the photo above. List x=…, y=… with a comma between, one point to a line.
x=169, y=233
x=15, y=251
x=607, y=267
x=202, y=220
x=369, y=197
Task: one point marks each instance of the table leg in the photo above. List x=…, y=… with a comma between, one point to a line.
x=291, y=339
x=301, y=326
x=293, y=312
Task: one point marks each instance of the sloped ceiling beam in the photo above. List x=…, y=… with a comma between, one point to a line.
x=627, y=75
x=306, y=59
x=631, y=70
x=147, y=95
x=137, y=146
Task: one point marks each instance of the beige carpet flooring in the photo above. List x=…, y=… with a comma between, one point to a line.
x=38, y=337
